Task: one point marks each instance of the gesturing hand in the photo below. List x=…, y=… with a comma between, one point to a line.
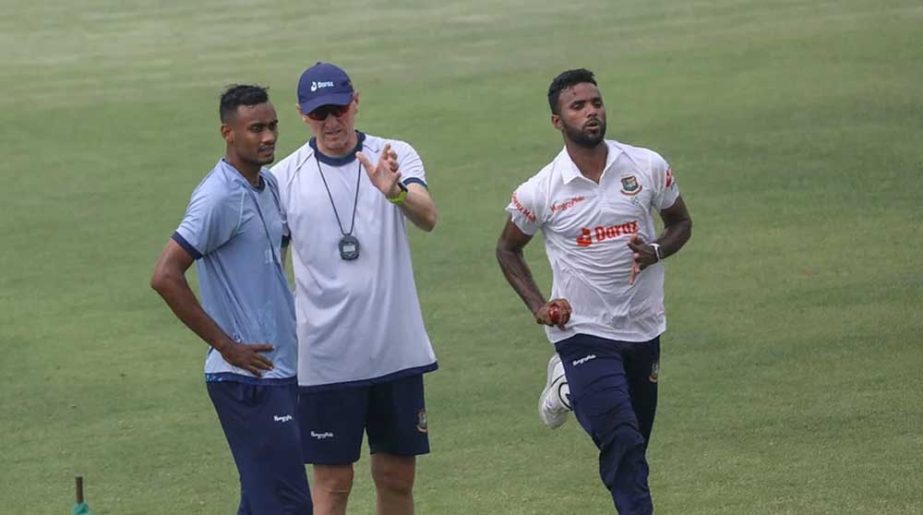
x=554, y=312
x=643, y=256
x=384, y=174
x=248, y=357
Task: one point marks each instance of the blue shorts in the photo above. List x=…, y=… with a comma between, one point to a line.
x=615, y=381
x=260, y=424
x=393, y=414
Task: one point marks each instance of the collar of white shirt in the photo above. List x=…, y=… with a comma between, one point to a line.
x=569, y=170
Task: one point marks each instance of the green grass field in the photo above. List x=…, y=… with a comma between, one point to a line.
x=791, y=377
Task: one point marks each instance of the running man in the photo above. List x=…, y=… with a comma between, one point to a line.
x=595, y=205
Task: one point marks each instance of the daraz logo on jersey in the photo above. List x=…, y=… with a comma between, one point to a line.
x=599, y=233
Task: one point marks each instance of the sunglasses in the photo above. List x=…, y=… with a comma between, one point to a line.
x=320, y=114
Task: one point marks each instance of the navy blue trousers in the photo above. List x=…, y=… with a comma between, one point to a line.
x=613, y=390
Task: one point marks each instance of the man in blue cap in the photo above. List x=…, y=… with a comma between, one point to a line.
x=362, y=346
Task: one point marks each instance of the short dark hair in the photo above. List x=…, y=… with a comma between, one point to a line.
x=566, y=80
x=237, y=95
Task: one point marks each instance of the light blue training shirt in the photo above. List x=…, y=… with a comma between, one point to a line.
x=235, y=231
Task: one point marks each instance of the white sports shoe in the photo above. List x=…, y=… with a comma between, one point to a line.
x=554, y=404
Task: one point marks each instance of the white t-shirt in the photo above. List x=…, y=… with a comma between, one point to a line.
x=358, y=321
x=587, y=226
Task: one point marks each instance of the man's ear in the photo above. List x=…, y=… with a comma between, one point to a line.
x=227, y=133
x=556, y=121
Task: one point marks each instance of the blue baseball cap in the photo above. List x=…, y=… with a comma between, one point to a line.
x=324, y=84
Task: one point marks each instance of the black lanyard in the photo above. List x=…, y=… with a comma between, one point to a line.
x=349, y=245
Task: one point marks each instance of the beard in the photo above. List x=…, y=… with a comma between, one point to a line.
x=584, y=139
x=262, y=157
x=256, y=159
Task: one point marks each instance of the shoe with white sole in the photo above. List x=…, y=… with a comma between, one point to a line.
x=554, y=404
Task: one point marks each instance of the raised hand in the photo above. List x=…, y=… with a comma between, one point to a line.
x=384, y=174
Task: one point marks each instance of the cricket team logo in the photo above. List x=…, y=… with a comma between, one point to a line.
x=421, y=421
x=630, y=186
x=655, y=372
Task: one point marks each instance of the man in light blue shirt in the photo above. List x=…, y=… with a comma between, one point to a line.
x=233, y=230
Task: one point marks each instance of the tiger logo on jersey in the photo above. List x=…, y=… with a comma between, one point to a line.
x=631, y=186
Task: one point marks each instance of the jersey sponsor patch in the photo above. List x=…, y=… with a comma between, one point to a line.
x=557, y=207
x=599, y=233
x=630, y=185
x=669, y=177
x=522, y=209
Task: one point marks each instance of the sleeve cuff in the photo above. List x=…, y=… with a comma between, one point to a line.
x=178, y=238
x=415, y=180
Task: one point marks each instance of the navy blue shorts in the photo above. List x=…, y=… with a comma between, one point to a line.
x=260, y=423
x=615, y=381
x=393, y=414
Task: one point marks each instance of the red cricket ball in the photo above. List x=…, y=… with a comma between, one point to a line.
x=554, y=313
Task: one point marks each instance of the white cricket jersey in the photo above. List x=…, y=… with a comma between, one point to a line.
x=359, y=321
x=587, y=226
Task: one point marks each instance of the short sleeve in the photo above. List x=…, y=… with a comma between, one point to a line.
x=410, y=163
x=211, y=220
x=524, y=209
x=665, y=189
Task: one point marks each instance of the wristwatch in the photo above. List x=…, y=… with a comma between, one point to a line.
x=656, y=247
x=400, y=197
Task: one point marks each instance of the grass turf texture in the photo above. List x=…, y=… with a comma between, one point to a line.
x=791, y=372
